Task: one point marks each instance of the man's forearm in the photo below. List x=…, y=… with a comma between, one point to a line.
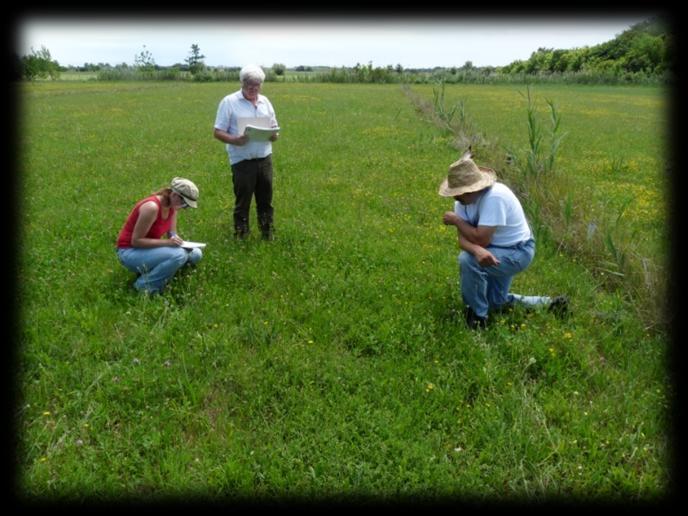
x=480, y=235
x=467, y=245
x=468, y=232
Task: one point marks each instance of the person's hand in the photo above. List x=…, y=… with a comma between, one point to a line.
x=485, y=258
x=175, y=240
x=273, y=138
x=240, y=140
x=450, y=218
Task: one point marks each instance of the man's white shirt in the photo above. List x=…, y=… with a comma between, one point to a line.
x=497, y=207
x=235, y=106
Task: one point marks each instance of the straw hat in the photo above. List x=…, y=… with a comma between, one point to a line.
x=465, y=176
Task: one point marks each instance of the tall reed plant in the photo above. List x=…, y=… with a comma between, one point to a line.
x=539, y=159
x=600, y=237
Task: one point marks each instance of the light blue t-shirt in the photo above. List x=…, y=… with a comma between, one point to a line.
x=235, y=106
x=497, y=207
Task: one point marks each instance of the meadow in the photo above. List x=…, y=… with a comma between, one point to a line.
x=332, y=363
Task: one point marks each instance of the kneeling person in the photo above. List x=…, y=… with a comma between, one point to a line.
x=140, y=246
x=495, y=239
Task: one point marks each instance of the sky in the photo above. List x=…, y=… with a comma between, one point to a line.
x=315, y=41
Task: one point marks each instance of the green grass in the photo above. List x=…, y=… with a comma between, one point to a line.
x=78, y=76
x=331, y=363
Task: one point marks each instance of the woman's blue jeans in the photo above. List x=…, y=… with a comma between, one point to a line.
x=156, y=265
x=487, y=288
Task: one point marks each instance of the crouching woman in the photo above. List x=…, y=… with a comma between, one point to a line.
x=141, y=247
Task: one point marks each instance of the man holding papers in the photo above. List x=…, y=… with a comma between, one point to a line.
x=246, y=123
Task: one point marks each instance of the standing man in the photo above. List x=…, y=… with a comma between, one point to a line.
x=250, y=160
x=495, y=239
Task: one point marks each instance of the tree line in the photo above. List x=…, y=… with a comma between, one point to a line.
x=641, y=54
x=644, y=48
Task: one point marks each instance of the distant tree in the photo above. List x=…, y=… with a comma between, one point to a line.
x=643, y=48
x=645, y=54
x=399, y=69
x=558, y=61
x=540, y=60
x=195, y=60
x=39, y=65
x=279, y=68
x=144, y=60
x=577, y=58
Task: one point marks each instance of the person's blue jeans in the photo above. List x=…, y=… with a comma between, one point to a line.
x=156, y=265
x=487, y=288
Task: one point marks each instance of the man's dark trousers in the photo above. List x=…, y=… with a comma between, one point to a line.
x=252, y=177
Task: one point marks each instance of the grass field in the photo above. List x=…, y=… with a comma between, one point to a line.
x=78, y=76
x=332, y=363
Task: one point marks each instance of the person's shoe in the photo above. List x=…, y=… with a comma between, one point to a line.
x=266, y=228
x=241, y=234
x=559, y=306
x=506, y=308
x=474, y=321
